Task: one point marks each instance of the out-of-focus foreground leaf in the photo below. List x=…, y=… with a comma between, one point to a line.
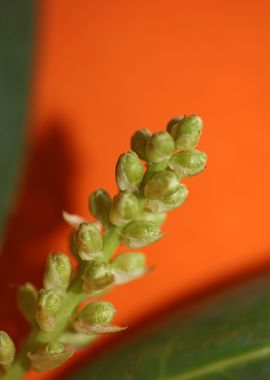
x=226, y=338
x=16, y=32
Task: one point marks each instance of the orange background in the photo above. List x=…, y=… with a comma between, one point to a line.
x=103, y=69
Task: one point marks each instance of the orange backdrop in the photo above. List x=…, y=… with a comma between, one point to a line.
x=103, y=69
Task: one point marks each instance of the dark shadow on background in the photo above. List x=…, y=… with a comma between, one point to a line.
x=36, y=219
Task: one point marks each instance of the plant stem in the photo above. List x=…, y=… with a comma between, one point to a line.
x=111, y=241
x=72, y=300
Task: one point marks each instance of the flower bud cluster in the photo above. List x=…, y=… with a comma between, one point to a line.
x=147, y=192
x=170, y=156
x=145, y=196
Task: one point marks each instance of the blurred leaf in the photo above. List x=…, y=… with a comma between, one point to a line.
x=227, y=338
x=16, y=32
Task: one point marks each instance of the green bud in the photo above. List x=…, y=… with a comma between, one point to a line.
x=97, y=313
x=97, y=276
x=99, y=205
x=160, y=185
x=7, y=349
x=139, y=141
x=173, y=122
x=57, y=273
x=155, y=217
x=159, y=147
x=89, y=241
x=128, y=266
x=27, y=300
x=125, y=208
x=49, y=356
x=170, y=202
x=186, y=131
x=48, y=305
x=140, y=233
x=129, y=171
x=188, y=163
x=95, y=318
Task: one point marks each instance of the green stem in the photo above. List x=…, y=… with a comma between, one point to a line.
x=111, y=241
x=72, y=300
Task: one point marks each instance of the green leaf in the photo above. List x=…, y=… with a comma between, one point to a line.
x=228, y=337
x=16, y=32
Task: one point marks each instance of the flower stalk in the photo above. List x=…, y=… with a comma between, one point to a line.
x=133, y=217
